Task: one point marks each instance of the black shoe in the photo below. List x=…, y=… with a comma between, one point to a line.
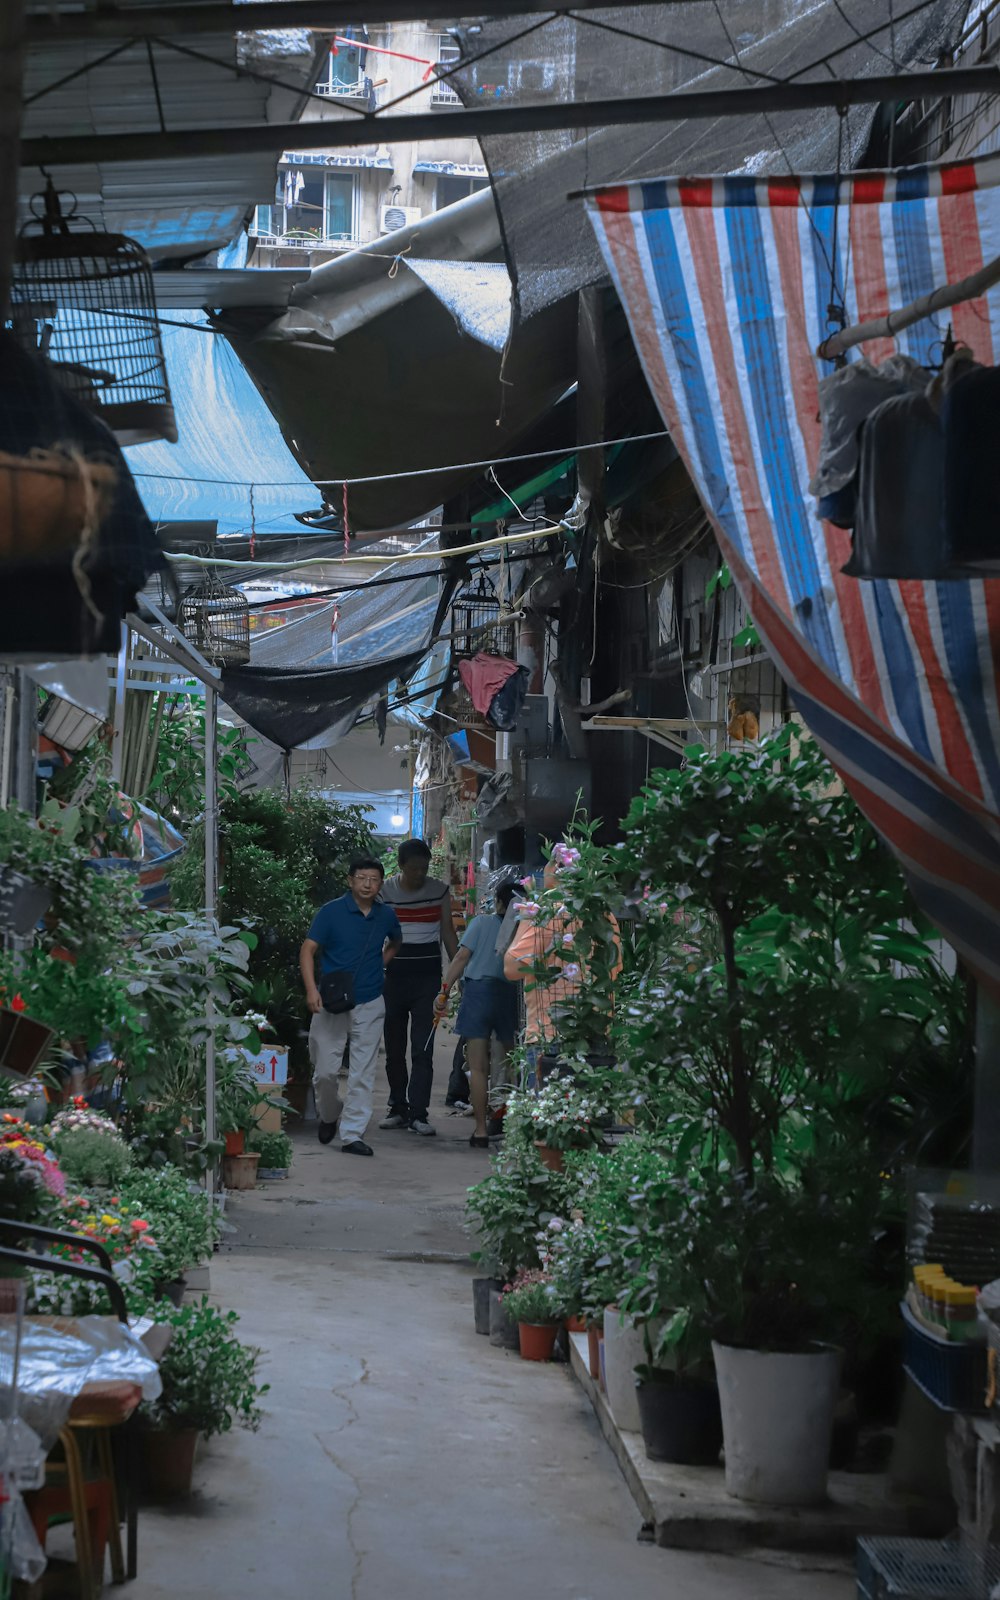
x=479, y=1142
x=326, y=1131
x=357, y=1147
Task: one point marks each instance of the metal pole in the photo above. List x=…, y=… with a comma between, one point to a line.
x=26, y=743
x=211, y=890
x=986, y=1112
x=195, y=144
x=118, y=735
x=12, y=23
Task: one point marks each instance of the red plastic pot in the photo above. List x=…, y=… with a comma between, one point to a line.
x=537, y=1340
x=575, y=1325
x=235, y=1143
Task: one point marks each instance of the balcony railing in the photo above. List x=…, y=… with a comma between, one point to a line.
x=345, y=91
x=291, y=241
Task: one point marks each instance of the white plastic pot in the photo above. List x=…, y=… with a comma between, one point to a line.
x=777, y=1422
x=624, y=1350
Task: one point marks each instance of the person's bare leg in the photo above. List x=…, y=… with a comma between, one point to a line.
x=477, y=1056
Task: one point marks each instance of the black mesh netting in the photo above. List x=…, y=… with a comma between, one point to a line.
x=550, y=246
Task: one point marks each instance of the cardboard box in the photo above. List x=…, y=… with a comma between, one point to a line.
x=269, y=1065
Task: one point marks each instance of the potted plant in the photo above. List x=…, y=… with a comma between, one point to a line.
x=91, y=1151
x=236, y=1101
x=209, y=1384
x=508, y=1210
x=559, y=1116
x=776, y=1273
x=531, y=1302
x=275, y=1151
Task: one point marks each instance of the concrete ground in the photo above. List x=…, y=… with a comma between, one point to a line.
x=400, y=1455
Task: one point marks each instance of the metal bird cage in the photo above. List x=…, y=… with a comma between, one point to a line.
x=476, y=624
x=216, y=620
x=84, y=300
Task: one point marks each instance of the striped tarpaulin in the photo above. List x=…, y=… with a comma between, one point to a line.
x=727, y=284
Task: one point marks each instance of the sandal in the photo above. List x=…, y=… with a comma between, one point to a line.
x=478, y=1143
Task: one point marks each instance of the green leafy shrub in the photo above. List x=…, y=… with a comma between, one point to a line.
x=180, y=1214
x=275, y=1149
x=282, y=856
x=209, y=1377
x=510, y=1208
x=93, y=1159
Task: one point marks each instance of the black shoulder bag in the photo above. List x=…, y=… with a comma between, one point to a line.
x=336, y=989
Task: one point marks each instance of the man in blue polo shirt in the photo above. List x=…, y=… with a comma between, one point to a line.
x=358, y=935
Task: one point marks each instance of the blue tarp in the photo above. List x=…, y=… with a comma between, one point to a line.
x=228, y=441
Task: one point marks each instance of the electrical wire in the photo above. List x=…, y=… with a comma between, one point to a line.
x=353, y=560
x=413, y=472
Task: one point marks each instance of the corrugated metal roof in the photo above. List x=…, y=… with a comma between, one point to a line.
x=175, y=208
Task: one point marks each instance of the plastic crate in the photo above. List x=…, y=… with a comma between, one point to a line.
x=953, y=1375
x=924, y=1569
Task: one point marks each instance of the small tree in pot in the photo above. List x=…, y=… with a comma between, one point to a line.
x=209, y=1384
x=778, y=1274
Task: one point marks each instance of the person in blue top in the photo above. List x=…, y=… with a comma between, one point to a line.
x=489, y=1004
x=355, y=935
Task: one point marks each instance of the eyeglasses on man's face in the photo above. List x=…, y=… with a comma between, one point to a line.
x=367, y=878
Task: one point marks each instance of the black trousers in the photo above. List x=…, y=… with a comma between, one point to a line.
x=410, y=989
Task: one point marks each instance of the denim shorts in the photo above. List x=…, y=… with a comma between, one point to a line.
x=489, y=1006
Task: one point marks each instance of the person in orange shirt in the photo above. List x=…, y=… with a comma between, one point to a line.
x=550, y=941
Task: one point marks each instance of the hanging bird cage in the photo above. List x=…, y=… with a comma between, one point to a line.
x=476, y=624
x=216, y=620
x=84, y=300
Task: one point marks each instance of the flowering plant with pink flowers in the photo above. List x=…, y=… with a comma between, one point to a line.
x=578, y=946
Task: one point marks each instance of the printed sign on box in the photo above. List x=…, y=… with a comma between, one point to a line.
x=270, y=1065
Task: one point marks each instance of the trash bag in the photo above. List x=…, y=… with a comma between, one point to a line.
x=506, y=705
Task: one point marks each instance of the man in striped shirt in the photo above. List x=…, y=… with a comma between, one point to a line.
x=423, y=906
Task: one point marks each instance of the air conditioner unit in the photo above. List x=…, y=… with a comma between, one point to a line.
x=392, y=218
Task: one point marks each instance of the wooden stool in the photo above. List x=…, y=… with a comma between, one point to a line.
x=86, y=1501
x=100, y=1408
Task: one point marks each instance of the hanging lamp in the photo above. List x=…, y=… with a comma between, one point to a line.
x=216, y=620
x=84, y=300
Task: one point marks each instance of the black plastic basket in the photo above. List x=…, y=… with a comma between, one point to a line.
x=953, y=1375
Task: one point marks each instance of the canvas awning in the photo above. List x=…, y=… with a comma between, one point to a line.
x=370, y=373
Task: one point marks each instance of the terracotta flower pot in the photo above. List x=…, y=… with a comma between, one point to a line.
x=553, y=1159
x=240, y=1172
x=575, y=1325
x=168, y=1458
x=235, y=1143
x=537, y=1340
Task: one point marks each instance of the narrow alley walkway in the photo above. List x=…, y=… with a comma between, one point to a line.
x=400, y=1454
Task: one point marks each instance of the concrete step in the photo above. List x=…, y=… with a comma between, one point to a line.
x=688, y=1508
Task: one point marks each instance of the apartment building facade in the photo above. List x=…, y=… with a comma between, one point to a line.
x=329, y=201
